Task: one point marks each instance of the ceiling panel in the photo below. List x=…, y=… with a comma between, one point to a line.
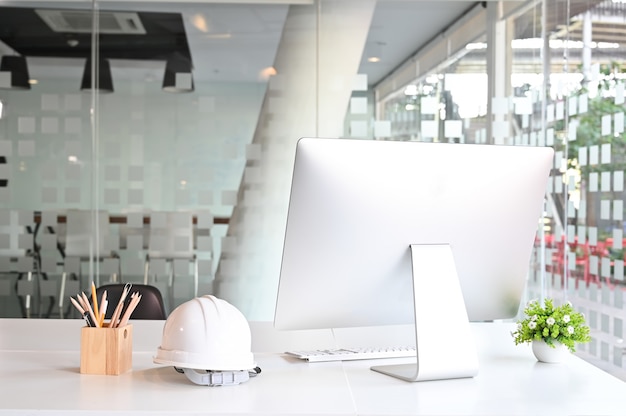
x=227, y=42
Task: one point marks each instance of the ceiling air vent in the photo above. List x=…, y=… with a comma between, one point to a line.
x=80, y=21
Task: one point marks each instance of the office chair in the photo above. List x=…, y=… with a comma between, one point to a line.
x=18, y=256
x=151, y=305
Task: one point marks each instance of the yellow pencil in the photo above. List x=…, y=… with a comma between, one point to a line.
x=94, y=299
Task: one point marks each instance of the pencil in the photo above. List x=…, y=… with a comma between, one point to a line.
x=77, y=306
x=83, y=312
x=131, y=307
x=82, y=303
x=88, y=307
x=94, y=299
x=102, y=309
x=118, y=309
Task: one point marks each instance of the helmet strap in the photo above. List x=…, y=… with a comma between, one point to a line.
x=216, y=378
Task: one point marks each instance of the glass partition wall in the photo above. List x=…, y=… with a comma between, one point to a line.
x=133, y=177
x=176, y=170
x=554, y=76
x=174, y=167
x=447, y=105
x=575, y=96
x=584, y=111
x=47, y=134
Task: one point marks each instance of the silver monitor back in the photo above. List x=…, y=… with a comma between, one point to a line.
x=357, y=205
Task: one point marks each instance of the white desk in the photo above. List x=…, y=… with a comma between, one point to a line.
x=39, y=374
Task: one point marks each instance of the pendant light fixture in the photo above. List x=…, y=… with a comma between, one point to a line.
x=178, y=76
x=14, y=73
x=104, y=82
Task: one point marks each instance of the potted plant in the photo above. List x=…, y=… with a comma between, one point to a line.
x=552, y=330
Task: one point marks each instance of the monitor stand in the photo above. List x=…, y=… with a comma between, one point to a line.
x=444, y=342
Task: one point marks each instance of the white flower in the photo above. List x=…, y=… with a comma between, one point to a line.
x=550, y=321
x=532, y=324
x=570, y=329
x=566, y=318
x=533, y=318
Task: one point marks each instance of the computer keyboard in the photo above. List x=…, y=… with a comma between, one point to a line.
x=346, y=354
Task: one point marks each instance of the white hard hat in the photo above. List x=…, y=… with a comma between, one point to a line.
x=210, y=335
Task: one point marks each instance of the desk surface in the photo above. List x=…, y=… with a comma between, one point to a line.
x=39, y=374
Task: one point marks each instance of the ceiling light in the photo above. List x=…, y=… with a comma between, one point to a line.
x=218, y=36
x=178, y=77
x=266, y=73
x=14, y=73
x=200, y=23
x=104, y=82
x=375, y=51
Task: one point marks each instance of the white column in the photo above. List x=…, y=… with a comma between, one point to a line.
x=316, y=63
x=587, y=39
x=496, y=64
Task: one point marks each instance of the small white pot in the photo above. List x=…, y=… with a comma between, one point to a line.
x=546, y=354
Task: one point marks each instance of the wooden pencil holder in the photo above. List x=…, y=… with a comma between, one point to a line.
x=106, y=351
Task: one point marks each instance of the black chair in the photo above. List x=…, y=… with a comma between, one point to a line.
x=150, y=307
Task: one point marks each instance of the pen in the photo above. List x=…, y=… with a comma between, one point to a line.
x=87, y=306
x=136, y=297
x=124, y=309
x=120, y=304
x=83, y=312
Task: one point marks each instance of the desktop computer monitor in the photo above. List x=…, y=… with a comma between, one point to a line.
x=358, y=208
